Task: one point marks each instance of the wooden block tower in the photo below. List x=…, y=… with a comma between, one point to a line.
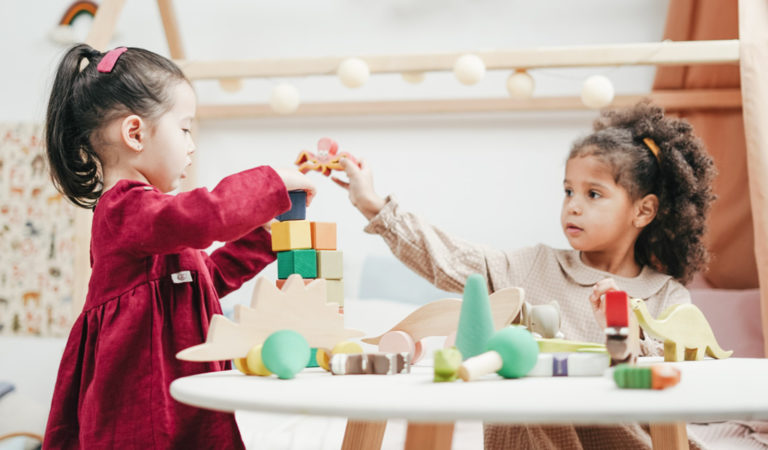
x=308, y=249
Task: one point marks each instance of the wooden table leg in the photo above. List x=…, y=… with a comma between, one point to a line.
x=669, y=436
x=429, y=436
x=363, y=435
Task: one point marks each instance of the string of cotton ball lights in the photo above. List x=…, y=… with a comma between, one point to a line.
x=520, y=85
x=284, y=98
x=597, y=91
x=469, y=69
x=353, y=72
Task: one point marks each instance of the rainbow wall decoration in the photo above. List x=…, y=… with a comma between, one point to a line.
x=65, y=33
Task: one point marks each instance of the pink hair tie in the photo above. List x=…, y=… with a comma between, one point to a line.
x=107, y=63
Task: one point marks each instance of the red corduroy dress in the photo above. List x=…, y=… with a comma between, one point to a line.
x=152, y=293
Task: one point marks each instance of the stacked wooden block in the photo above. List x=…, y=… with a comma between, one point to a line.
x=308, y=249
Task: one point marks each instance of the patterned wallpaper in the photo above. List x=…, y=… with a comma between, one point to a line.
x=36, y=239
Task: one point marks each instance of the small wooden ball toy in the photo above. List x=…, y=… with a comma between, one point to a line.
x=284, y=99
x=512, y=353
x=252, y=363
x=657, y=376
x=353, y=72
x=520, y=85
x=597, y=92
x=469, y=69
x=285, y=353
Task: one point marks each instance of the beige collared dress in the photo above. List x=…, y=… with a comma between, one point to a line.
x=546, y=274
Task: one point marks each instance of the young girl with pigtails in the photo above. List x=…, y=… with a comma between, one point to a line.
x=637, y=191
x=118, y=141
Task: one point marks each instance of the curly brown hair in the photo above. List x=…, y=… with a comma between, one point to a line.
x=681, y=178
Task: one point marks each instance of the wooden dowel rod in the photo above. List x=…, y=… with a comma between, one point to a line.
x=675, y=100
x=654, y=53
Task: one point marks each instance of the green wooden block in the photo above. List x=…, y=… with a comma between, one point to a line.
x=330, y=264
x=302, y=262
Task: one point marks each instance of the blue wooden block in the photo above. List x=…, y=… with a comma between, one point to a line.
x=298, y=209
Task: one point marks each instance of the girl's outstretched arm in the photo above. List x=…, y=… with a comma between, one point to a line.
x=442, y=259
x=150, y=222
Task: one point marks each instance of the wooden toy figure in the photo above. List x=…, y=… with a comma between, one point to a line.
x=447, y=362
x=326, y=160
x=512, y=353
x=657, y=376
x=543, y=321
x=440, y=318
x=370, y=363
x=621, y=333
x=683, y=329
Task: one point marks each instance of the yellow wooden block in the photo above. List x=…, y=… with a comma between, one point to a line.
x=330, y=264
x=335, y=290
x=291, y=235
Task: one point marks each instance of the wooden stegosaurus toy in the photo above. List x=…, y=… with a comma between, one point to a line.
x=294, y=307
x=683, y=329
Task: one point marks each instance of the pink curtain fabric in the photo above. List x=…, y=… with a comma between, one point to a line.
x=738, y=225
x=730, y=238
x=753, y=37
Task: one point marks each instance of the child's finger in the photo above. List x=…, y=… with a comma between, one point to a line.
x=341, y=182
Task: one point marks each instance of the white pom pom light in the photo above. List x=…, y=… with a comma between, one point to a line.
x=469, y=69
x=353, y=72
x=597, y=92
x=284, y=99
x=520, y=85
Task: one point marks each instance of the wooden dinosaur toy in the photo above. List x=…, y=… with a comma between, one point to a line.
x=440, y=318
x=296, y=307
x=683, y=329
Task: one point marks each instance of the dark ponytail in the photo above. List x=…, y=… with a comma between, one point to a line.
x=681, y=177
x=84, y=100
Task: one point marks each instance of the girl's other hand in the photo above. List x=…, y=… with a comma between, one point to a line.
x=360, y=188
x=597, y=299
x=297, y=181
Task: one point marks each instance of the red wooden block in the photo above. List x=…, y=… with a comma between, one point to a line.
x=616, y=309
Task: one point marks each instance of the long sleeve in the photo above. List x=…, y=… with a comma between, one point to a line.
x=150, y=222
x=237, y=262
x=442, y=259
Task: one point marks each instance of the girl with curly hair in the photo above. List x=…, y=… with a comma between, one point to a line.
x=636, y=195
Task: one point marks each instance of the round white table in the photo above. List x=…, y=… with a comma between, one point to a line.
x=709, y=390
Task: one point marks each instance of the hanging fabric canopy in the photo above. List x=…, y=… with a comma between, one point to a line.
x=738, y=225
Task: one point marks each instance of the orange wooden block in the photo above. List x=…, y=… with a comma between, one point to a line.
x=280, y=283
x=323, y=235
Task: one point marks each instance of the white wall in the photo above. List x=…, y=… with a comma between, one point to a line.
x=491, y=178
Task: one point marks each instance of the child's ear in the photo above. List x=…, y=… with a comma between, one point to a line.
x=645, y=210
x=132, y=131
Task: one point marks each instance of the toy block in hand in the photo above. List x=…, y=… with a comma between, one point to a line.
x=298, y=209
x=302, y=262
x=291, y=235
x=335, y=291
x=330, y=264
x=621, y=333
x=616, y=309
x=323, y=235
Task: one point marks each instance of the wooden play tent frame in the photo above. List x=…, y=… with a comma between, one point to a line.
x=749, y=50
